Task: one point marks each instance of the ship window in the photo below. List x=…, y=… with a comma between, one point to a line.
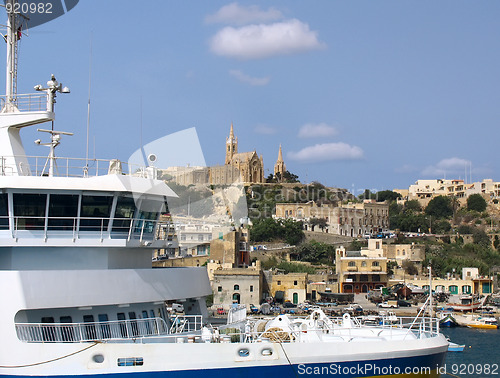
x=148, y=213
x=29, y=210
x=131, y=361
x=244, y=352
x=125, y=208
x=66, y=331
x=48, y=330
x=63, y=210
x=95, y=212
x=4, y=212
x=152, y=313
x=105, y=331
x=133, y=323
x=123, y=326
x=90, y=331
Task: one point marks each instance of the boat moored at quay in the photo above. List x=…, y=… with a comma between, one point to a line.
x=80, y=297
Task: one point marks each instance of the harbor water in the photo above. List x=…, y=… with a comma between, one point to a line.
x=481, y=356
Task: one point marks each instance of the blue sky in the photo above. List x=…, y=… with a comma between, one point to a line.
x=361, y=94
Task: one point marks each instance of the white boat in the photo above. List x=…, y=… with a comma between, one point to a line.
x=80, y=297
x=465, y=302
x=477, y=321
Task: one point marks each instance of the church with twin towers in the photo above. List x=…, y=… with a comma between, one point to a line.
x=239, y=167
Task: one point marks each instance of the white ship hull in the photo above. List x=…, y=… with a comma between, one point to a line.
x=223, y=360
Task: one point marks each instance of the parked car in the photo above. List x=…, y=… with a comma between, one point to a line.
x=354, y=307
x=175, y=307
x=388, y=304
x=402, y=303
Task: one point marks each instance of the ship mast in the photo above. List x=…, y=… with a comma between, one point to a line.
x=13, y=35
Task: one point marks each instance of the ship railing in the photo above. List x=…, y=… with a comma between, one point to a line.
x=185, y=323
x=83, y=227
x=30, y=102
x=70, y=167
x=91, y=331
x=424, y=328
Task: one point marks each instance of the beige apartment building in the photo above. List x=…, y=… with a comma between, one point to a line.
x=425, y=190
x=352, y=219
x=360, y=271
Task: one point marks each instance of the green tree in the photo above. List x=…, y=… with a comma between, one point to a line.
x=315, y=252
x=476, y=202
x=387, y=195
x=412, y=205
x=269, y=229
x=290, y=177
x=481, y=238
x=410, y=267
x=441, y=226
x=439, y=207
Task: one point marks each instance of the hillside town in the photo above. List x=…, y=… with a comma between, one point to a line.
x=367, y=250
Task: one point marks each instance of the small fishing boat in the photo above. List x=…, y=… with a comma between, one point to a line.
x=454, y=347
x=446, y=319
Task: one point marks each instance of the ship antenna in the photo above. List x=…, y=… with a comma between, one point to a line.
x=14, y=30
x=86, y=169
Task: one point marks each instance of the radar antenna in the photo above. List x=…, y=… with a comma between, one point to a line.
x=55, y=140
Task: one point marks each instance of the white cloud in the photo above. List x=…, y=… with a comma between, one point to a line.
x=262, y=41
x=264, y=129
x=244, y=78
x=322, y=130
x=450, y=166
x=326, y=152
x=235, y=14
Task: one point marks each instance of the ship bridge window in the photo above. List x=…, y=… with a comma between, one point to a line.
x=63, y=210
x=29, y=211
x=95, y=212
x=148, y=213
x=4, y=212
x=125, y=208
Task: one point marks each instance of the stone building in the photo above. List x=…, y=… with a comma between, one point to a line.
x=239, y=167
x=352, y=219
x=289, y=287
x=470, y=283
x=360, y=272
x=249, y=165
x=237, y=285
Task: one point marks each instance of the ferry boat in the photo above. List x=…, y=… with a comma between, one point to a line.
x=80, y=297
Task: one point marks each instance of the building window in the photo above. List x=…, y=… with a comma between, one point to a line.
x=279, y=282
x=219, y=289
x=375, y=263
x=351, y=263
x=295, y=283
x=363, y=263
x=236, y=287
x=251, y=288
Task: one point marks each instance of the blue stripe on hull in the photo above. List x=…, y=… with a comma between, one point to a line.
x=377, y=368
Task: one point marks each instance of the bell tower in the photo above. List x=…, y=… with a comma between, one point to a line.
x=279, y=167
x=231, y=146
